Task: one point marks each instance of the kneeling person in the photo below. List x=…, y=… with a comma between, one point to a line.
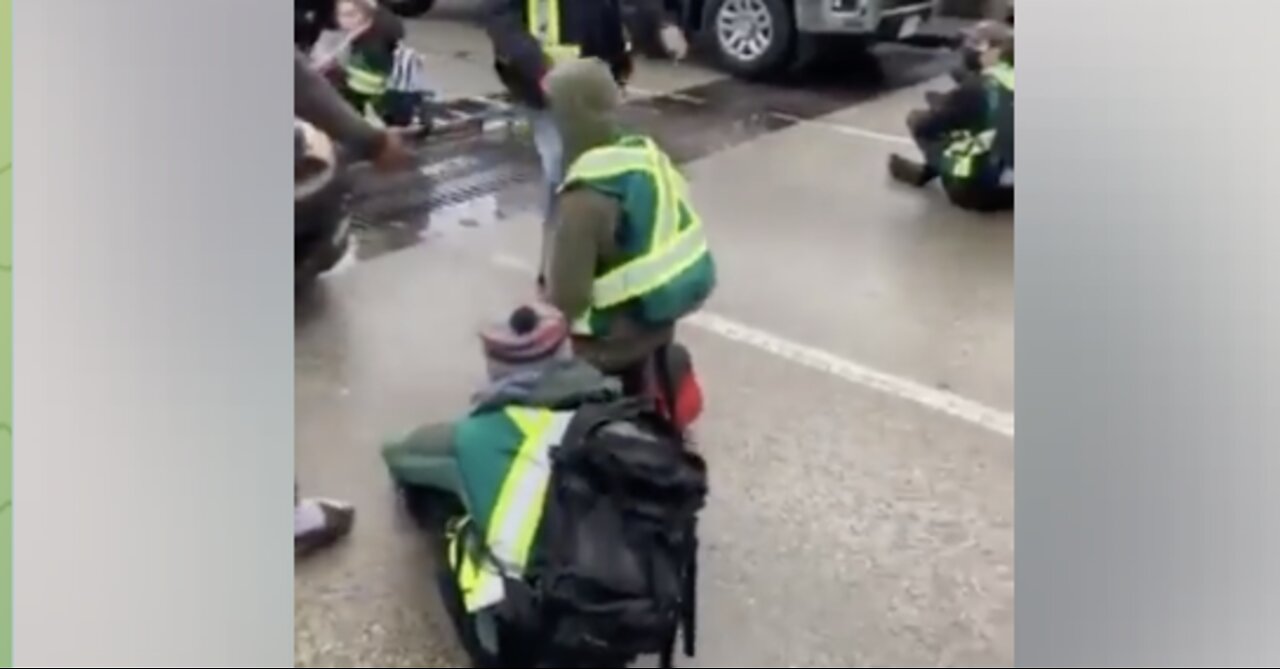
x=967, y=137
x=548, y=466
x=628, y=258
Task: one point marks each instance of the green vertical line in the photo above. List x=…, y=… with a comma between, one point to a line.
x=6, y=333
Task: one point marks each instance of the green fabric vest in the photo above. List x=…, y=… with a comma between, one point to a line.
x=977, y=155
x=363, y=79
x=504, y=458
x=486, y=445
x=665, y=270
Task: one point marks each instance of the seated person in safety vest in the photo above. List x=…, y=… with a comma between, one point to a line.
x=361, y=64
x=628, y=256
x=535, y=385
x=967, y=137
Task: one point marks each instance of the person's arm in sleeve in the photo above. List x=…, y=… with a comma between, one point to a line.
x=426, y=457
x=962, y=108
x=513, y=45
x=316, y=102
x=586, y=222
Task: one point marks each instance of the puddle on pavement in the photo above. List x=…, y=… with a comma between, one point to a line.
x=467, y=183
x=459, y=185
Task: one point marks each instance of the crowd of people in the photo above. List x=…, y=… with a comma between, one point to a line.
x=603, y=529
x=569, y=492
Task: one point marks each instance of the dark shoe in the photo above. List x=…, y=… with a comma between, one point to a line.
x=337, y=521
x=909, y=171
x=934, y=99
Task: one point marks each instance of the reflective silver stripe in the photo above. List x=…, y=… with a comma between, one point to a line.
x=518, y=512
x=651, y=270
x=519, y=506
x=486, y=590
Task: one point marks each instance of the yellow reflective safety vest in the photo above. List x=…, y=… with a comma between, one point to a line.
x=495, y=542
x=967, y=150
x=666, y=270
x=362, y=79
x=544, y=24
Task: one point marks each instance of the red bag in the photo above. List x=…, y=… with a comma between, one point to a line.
x=683, y=404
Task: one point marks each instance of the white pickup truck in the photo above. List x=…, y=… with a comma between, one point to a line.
x=758, y=38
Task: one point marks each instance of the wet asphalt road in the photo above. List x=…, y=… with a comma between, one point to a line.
x=858, y=361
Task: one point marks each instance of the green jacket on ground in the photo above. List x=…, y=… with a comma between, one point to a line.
x=470, y=457
x=497, y=460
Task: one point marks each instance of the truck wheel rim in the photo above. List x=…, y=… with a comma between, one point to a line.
x=744, y=28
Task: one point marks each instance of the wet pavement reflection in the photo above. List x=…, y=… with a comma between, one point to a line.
x=472, y=181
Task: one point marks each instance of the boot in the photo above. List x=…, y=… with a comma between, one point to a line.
x=320, y=523
x=910, y=172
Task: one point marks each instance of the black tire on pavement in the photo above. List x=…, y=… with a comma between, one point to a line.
x=410, y=9
x=324, y=256
x=778, y=55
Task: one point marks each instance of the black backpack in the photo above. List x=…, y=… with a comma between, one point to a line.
x=615, y=576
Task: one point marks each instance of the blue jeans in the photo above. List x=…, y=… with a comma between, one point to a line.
x=550, y=147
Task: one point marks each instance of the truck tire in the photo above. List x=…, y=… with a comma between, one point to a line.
x=753, y=39
x=410, y=9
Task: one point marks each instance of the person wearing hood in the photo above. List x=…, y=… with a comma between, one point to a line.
x=535, y=385
x=628, y=256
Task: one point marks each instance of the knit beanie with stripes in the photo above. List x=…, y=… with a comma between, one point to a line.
x=532, y=338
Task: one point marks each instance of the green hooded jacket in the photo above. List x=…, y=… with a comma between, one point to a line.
x=470, y=458
x=583, y=100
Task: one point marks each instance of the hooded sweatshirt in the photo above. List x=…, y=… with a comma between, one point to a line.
x=584, y=99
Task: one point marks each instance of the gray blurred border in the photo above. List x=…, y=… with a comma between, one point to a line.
x=154, y=334
x=1148, y=354
x=153, y=342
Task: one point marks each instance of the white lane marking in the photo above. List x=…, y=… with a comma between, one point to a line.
x=848, y=130
x=941, y=401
